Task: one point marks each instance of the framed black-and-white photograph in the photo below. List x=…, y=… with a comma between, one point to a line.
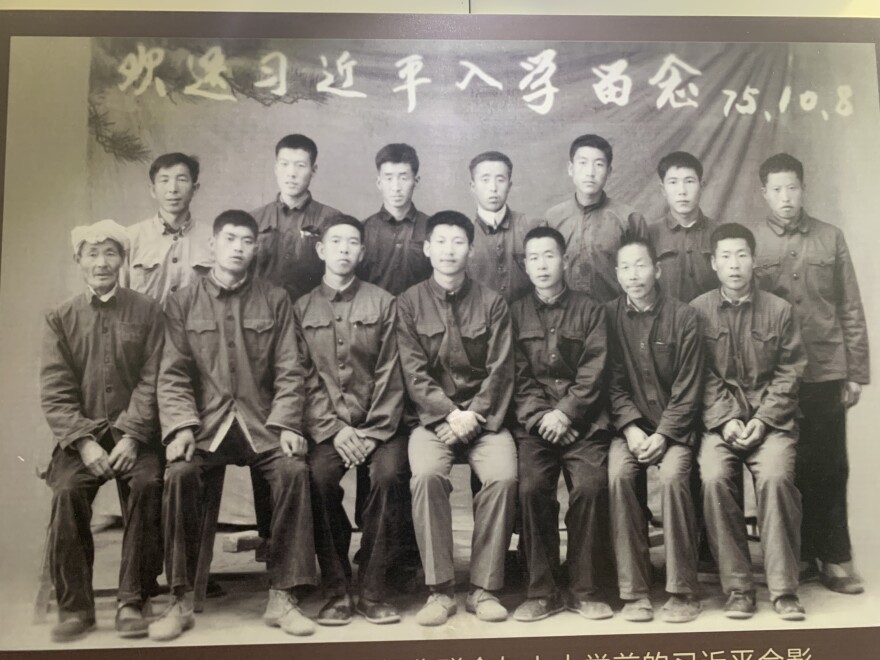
x=587, y=374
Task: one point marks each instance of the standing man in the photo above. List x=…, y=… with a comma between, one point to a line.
x=497, y=260
x=562, y=425
x=394, y=237
x=354, y=405
x=455, y=350
x=169, y=250
x=231, y=391
x=592, y=223
x=754, y=360
x=291, y=224
x=807, y=262
x=98, y=372
x=681, y=238
x=656, y=359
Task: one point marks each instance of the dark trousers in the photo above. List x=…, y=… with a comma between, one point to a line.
x=822, y=473
x=292, y=551
x=584, y=465
x=70, y=538
x=382, y=515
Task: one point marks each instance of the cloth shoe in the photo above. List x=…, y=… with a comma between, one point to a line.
x=72, y=626
x=377, y=611
x=486, y=606
x=130, y=622
x=638, y=611
x=681, y=608
x=176, y=619
x=338, y=611
x=740, y=605
x=535, y=609
x=282, y=611
x=842, y=584
x=437, y=610
x=789, y=608
x=590, y=608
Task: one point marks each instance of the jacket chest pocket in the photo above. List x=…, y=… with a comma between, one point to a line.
x=132, y=338
x=475, y=338
x=430, y=335
x=767, y=274
x=717, y=344
x=820, y=275
x=257, y=336
x=366, y=333
x=204, y=339
x=142, y=275
x=532, y=343
x=664, y=354
x=571, y=345
x=765, y=344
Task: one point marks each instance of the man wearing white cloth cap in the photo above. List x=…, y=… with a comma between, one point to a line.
x=100, y=359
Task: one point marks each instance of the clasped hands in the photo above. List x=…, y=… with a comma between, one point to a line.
x=647, y=449
x=460, y=426
x=744, y=436
x=108, y=466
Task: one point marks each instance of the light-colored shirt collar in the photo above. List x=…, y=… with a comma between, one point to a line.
x=493, y=219
x=552, y=299
x=340, y=290
x=224, y=287
x=741, y=301
x=630, y=305
x=106, y=297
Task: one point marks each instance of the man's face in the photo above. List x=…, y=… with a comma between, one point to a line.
x=784, y=195
x=682, y=188
x=545, y=264
x=448, y=249
x=294, y=171
x=341, y=249
x=173, y=189
x=100, y=264
x=234, y=248
x=397, y=183
x=636, y=272
x=589, y=169
x=733, y=261
x=490, y=183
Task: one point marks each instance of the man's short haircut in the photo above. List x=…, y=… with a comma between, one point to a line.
x=681, y=159
x=453, y=218
x=236, y=218
x=165, y=161
x=780, y=163
x=733, y=230
x=297, y=141
x=543, y=231
x=342, y=219
x=398, y=152
x=590, y=140
x=491, y=157
x=637, y=240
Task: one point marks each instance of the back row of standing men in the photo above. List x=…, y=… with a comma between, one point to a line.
x=242, y=368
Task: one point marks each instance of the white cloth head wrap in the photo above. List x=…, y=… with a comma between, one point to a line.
x=98, y=232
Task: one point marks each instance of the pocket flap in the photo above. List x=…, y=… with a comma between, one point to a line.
x=201, y=325
x=258, y=325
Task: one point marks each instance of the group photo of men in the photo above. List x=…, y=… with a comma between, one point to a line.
x=302, y=343
x=486, y=399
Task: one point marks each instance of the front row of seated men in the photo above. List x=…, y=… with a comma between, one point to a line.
x=348, y=376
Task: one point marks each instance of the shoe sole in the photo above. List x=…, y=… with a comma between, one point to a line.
x=679, y=619
x=590, y=618
x=795, y=616
x=334, y=622
x=132, y=634
x=739, y=615
x=538, y=618
x=383, y=620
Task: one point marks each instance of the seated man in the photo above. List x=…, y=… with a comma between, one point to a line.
x=231, y=391
x=656, y=365
x=98, y=383
x=754, y=360
x=353, y=409
x=455, y=349
x=562, y=425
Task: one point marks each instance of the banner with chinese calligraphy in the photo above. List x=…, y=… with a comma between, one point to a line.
x=228, y=101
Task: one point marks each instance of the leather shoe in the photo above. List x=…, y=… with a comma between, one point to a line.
x=130, y=622
x=536, y=609
x=377, y=611
x=71, y=627
x=338, y=611
x=842, y=584
x=740, y=605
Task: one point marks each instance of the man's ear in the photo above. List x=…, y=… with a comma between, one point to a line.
x=196, y=187
x=714, y=264
x=319, y=246
x=426, y=247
